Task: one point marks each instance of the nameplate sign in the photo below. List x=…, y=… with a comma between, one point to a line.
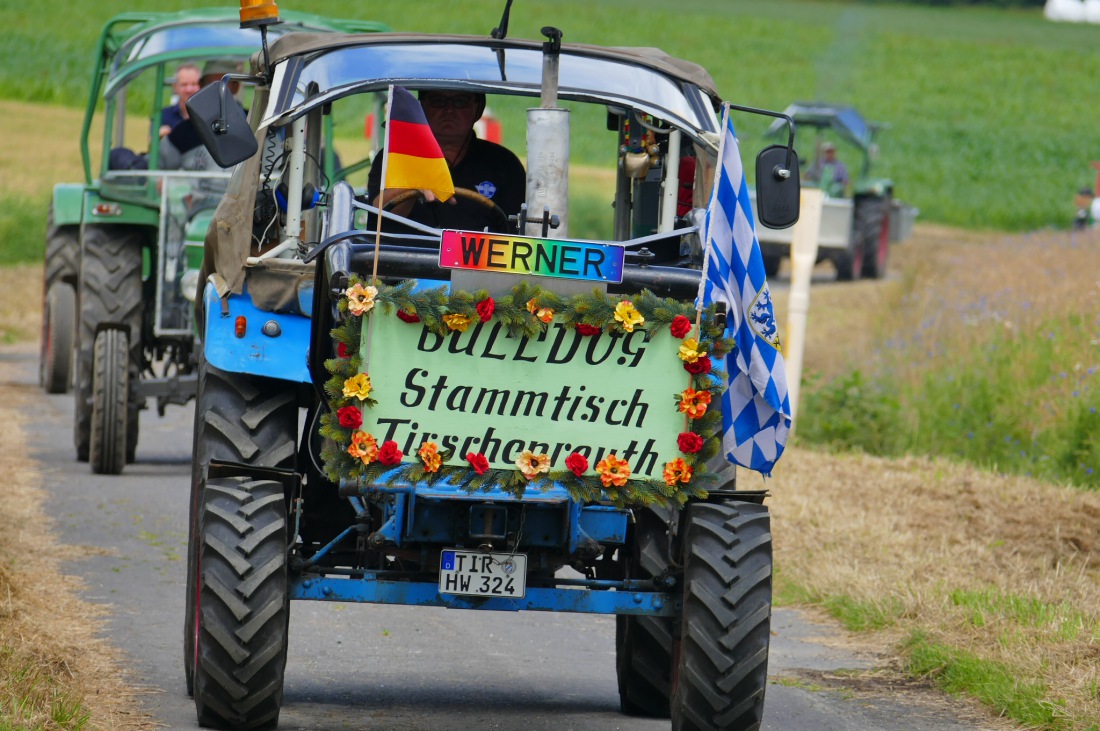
x=593, y=261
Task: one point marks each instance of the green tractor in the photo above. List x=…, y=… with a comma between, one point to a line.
x=124, y=247
x=860, y=218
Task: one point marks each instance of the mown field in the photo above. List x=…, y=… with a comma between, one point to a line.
x=991, y=113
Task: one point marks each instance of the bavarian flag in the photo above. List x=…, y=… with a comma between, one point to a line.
x=413, y=157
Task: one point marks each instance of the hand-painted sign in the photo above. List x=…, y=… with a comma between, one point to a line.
x=486, y=392
x=559, y=258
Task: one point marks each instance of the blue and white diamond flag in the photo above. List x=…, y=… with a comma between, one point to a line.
x=756, y=410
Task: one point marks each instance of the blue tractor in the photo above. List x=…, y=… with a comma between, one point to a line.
x=513, y=417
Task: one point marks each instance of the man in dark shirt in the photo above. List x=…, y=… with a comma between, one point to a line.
x=486, y=167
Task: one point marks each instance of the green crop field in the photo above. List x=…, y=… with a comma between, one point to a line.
x=991, y=113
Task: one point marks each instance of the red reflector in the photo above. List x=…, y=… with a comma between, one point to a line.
x=240, y=326
x=107, y=209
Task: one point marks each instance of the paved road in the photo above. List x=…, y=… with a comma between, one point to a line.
x=393, y=668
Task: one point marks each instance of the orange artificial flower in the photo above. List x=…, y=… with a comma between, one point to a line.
x=613, y=471
x=360, y=298
x=543, y=313
x=429, y=455
x=363, y=447
x=694, y=403
x=677, y=471
x=532, y=465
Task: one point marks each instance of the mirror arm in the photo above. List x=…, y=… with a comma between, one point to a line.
x=219, y=126
x=781, y=173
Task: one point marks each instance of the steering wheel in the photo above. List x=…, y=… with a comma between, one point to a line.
x=498, y=218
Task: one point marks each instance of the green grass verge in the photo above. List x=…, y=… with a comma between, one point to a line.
x=959, y=672
x=1012, y=404
x=22, y=229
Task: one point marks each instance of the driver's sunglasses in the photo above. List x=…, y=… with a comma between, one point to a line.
x=442, y=102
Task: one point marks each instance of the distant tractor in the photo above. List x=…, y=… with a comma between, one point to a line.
x=123, y=247
x=860, y=219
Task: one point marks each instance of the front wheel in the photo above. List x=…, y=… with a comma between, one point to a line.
x=241, y=610
x=721, y=669
x=110, y=402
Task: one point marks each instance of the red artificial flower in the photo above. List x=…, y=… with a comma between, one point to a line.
x=700, y=366
x=587, y=330
x=577, y=463
x=404, y=316
x=389, y=453
x=342, y=350
x=485, y=308
x=689, y=442
x=680, y=326
x=350, y=417
x=478, y=462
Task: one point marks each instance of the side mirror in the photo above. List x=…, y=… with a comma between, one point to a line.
x=778, y=186
x=221, y=124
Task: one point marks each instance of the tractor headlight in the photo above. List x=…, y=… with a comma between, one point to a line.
x=189, y=284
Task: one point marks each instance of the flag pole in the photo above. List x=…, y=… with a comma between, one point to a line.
x=378, y=219
x=708, y=244
x=382, y=188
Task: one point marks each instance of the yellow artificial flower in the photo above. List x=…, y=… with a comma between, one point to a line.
x=532, y=465
x=457, y=321
x=628, y=315
x=677, y=471
x=363, y=447
x=689, y=351
x=613, y=471
x=360, y=298
x=429, y=455
x=358, y=386
x=543, y=313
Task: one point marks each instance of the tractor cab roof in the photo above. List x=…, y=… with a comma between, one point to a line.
x=844, y=121
x=315, y=69
x=133, y=42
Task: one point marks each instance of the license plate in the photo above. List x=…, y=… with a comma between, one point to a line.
x=471, y=573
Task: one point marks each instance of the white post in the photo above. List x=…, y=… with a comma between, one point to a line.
x=803, y=258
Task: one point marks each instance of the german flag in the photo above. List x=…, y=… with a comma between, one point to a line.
x=414, y=159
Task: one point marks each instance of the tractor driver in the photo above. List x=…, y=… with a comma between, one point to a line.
x=829, y=172
x=479, y=165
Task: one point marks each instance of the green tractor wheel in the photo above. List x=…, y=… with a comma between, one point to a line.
x=110, y=292
x=110, y=402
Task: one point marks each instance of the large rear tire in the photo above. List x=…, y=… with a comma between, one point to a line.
x=58, y=338
x=643, y=645
x=110, y=292
x=721, y=668
x=242, y=604
x=110, y=402
x=872, y=217
x=238, y=420
x=849, y=262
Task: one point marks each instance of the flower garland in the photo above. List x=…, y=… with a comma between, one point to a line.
x=352, y=453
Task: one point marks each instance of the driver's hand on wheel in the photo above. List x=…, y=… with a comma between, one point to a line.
x=403, y=209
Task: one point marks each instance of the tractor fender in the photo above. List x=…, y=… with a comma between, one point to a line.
x=270, y=344
x=68, y=204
